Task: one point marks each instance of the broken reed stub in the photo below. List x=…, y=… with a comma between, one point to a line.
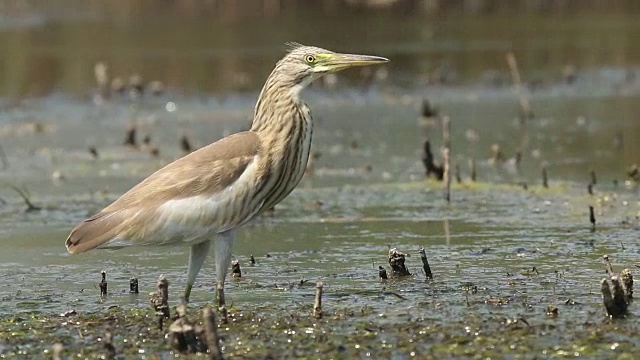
x=432, y=170
x=592, y=218
x=184, y=336
x=107, y=343
x=607, y=265
x=472, y=170
x=627, y=281
x=425, y=263
x=160, y=301
x=382, y=273
x=397, y=263
x=133, y=285
x=130, y=138
x=317, y=304
x=211, y=334
x=57, y=350
x=252, y=260
x=103, y=283
x=185, y=144
x=614, y=297
x=235, y=269
x=446, y=179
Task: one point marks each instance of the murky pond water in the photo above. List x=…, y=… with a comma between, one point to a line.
x=367, y=192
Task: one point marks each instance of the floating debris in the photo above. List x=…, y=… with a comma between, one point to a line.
x=160, y=299
x=396, y=261
x=552, y=311
x=317, y=305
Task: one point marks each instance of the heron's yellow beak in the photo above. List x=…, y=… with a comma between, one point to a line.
x=335, y=62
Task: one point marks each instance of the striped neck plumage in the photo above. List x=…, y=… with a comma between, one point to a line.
x=277, y=102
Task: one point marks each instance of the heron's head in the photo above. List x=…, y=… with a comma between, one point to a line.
x=303, y=64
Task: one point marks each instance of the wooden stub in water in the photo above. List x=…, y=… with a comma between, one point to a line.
x=184, y=336
x=425, y=263
x=382, y=273
x=617, y=290
x=446, y=179
x=396, y=262
x=525, y=107
x=103, y=283
x=317, y=304
x=235, y=269
x=107, y=343
x=160, y=301
x=613, y=296
x=133, y=285
x=432, y=169
x=211, y=333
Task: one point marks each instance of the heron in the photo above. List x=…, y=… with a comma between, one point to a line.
x=203, y=198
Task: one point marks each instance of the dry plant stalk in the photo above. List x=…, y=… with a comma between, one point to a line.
x=525, y=107
x=317, y=305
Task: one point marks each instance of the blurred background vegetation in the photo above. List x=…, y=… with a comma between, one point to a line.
x=216, y=46
x=578, y=58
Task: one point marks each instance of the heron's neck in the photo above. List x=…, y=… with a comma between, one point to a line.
x=278, y=105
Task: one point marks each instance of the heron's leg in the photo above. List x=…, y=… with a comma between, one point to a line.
x=222, y=248
x=196, y=258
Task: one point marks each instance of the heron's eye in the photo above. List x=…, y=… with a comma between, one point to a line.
x=310, y=59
